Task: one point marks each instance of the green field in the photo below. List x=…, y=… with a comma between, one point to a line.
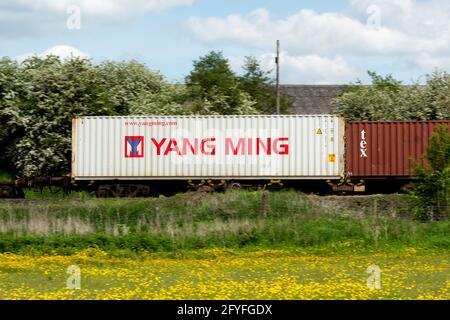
x=233, y=245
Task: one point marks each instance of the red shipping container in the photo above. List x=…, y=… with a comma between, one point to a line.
x=384, y=149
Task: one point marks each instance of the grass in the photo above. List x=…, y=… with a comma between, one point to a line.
x=233, y=245
x=5, y=177
x=228, y=274
x=55, y=193
x=197, y=221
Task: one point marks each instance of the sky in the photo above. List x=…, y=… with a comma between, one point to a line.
x=322, y=41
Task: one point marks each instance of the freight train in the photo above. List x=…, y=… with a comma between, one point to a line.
x=146, y=156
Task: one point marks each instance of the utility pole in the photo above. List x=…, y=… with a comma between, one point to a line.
x=277, y=62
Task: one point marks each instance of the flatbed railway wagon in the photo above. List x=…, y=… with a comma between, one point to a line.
x=143, y=156
x=149, y=155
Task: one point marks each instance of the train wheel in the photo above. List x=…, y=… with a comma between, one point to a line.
x=9, y=191
x=103, y=191
x=124, y=191
x=235, y=186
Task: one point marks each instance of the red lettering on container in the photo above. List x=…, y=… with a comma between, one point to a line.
x=173, y=146
x=211, y=147
x=281, y=148
x=158, y=145
x=230, y=149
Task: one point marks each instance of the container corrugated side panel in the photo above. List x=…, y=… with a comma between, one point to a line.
x=388, y=146
x=316, y=147
x=74, y=148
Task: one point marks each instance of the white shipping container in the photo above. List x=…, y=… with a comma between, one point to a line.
x=216, y=147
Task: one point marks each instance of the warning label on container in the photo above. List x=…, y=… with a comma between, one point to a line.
x=319, y=131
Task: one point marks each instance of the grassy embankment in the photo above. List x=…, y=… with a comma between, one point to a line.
x=237, y=245
x=232, y=220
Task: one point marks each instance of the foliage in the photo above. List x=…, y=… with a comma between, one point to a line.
x=232, y=219
x=261, y=87
x=214, y=88
x=388, y=99
x=11, y=121
x=39, y=98
x=134, y=89
x=55, y=92
x=167, y=100
x=431, y=180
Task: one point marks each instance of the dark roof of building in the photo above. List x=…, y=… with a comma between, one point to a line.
x=312, y=99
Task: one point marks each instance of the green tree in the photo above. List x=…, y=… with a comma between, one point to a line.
x=431, y=179
x=389, y=99
x=387, y=82
x=167, y=100
x=55, y=92
x=261, y=87
x=214, y=88
x=11, y=122
x=135, y=89
x=39, y=98
x=379, y=101
x=435, y=97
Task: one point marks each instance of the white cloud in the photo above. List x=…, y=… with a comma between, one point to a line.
x=64, y=52
x=418, y=18
x=61, y=51
x=31, y=17
x=406, y=27
x=312, y=68
x=315, y=69
x=430, y=63
x=408, y=36
x=96, y=7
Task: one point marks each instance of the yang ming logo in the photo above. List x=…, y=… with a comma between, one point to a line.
x=134, y=147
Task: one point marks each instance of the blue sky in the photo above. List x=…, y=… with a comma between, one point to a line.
x=323, y=42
